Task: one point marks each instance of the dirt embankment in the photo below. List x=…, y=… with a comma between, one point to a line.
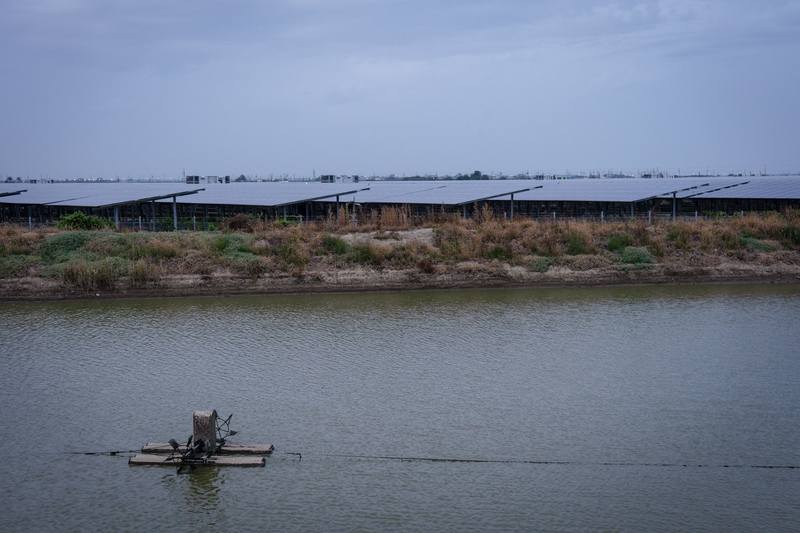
x=466, y=275
x=272, y=258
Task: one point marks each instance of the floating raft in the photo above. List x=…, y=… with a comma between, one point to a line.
x=242, y=449
x=214, y=460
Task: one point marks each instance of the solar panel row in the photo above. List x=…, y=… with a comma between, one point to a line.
x=452, y=193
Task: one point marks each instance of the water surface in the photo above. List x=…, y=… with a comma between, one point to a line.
x=628, y=408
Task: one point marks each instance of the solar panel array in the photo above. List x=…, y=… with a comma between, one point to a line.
x=270, y=194
x=452, y=193
x=441, y=192
x=616, y=190
x=758, y=188
x=93, y=194
x=9, y=190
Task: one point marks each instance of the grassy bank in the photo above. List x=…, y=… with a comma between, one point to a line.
x=390, y=240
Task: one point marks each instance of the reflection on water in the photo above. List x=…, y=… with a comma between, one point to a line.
x=199, y=492
x=575, y=397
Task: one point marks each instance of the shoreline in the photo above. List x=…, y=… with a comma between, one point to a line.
x=465, y=276
x=385, y=253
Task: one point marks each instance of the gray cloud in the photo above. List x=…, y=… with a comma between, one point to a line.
x=373, y=85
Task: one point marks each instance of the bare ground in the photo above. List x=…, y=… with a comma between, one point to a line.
x=464, y=275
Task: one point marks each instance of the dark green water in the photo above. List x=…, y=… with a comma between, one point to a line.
x=624, y=409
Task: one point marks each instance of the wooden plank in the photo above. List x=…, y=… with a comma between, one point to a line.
x=162, y=460
x=243, y=449
x=215, y=460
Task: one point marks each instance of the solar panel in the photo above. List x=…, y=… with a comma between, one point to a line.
x=11, y=190
x=612, y=190
x=759, y=188
x=440, y=192
x=93, y=194
x=452, y=193
x=269, y=194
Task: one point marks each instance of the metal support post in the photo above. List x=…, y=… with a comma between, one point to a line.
x=175, y=212
x=116, y=216
x=674, y=195
x=512, y=207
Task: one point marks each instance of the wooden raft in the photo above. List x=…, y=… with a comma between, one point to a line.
x=214, y=460
x=244, y=449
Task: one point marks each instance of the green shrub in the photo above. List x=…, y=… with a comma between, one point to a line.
x=636, y=256
x=221, y=244
x=540, y=264
x=575, y=244
x=144, y=271
x=334, y=245
x=154, y=250
x=791, y=234
x=165, y=224
x=92, y=275
x=757, y=245
x=365, y=254
x=284, y=223
x=14, y=265
x=13, y=249
x=291, y=254
x=240, y=222
x=500, y=253
x=617, y=243
x=426, y=265
x=79, y=221
x=58, y=247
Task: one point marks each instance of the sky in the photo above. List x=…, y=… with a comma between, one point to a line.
x=107, y=88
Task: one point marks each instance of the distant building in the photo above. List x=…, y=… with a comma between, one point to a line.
x=327, y=178
x=197, y=180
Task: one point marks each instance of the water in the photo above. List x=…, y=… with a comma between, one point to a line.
x=638, y=409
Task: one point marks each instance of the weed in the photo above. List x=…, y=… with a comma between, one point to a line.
x=656, y=248
x=291, y=254
x=92, y=275
x=165, y=224
x=636, y=256
x=426, y=266
x=334, y=245
x=80, y=221
x=791, y=234
x=617, y=243
x=757, y=245
x=14, y=265
x=540, y=264
x=365, y=254
x=500, y=253
x=58, y=248
x=239, y=223
x=144, y=271
x=221, y=244
x=575, y=244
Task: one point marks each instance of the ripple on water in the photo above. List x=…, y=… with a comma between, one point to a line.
x=635, y=376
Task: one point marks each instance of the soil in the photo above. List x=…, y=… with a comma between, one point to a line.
x=465, y=275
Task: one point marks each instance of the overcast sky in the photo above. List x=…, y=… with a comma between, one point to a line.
x=140, y=87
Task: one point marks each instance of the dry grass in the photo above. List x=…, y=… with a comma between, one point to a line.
x=385, y=239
